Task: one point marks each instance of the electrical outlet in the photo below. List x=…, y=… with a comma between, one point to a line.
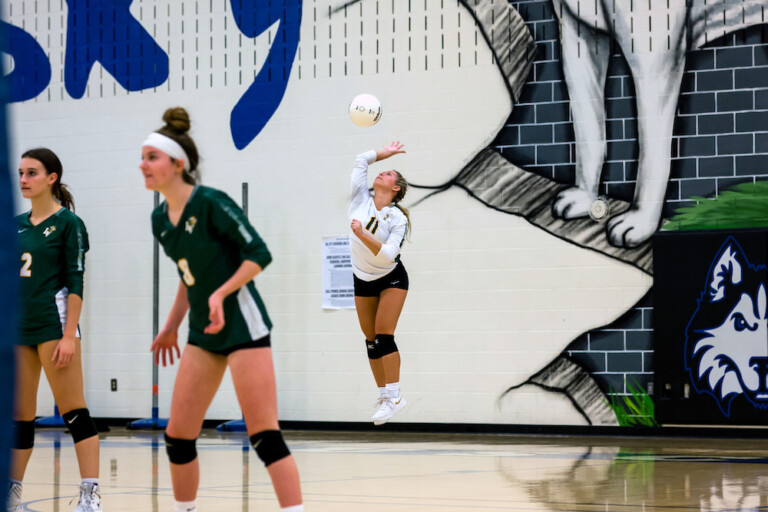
x=113, y=384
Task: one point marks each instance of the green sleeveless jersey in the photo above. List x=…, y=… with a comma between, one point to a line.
x=210, y=242
x=52, y=264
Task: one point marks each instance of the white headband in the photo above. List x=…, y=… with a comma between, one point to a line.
x=168, y=146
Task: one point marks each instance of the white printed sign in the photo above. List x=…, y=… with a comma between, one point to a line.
x=338, y=287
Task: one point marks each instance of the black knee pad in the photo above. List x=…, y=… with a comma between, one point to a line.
x=80, y=424
x=25, y=435
x=269, y=446
x=373, y=349
x=180, y=451
x=386, y=344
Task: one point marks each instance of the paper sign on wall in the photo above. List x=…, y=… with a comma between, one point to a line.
x=338, y=288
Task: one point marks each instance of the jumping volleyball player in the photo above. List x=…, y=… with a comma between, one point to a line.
x=379, y=226
x=218, y=253
x=52, y=245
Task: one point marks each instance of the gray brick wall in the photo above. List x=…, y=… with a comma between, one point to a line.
x=621, y=351
x=720, y=139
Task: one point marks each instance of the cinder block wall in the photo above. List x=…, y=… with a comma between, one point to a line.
x=720, y=139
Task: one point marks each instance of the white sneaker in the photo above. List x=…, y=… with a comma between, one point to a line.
x=388, y=408
x=378, y=401
x=90, y=498
x=13, y=503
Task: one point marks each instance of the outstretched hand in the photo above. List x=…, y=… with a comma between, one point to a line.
x=393, y=148
x=164, y=345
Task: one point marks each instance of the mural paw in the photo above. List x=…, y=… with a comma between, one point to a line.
x=572, y=203
x=632, y=228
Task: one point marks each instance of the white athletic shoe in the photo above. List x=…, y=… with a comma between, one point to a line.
x=14, y=498
x=388, y=408
x=90, y=498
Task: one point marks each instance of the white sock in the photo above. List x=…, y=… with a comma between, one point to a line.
x=94, y=481
x=15, y=481
x=185, y=506
x=393, y=389
x=382, y=391
x=295, y=508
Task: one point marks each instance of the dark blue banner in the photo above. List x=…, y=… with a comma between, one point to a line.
x=8, y=274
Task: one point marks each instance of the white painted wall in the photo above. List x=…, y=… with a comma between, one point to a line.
x=493, y=298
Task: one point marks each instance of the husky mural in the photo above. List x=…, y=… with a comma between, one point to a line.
x=446, y=94
x=726, y=345
x=655, y=41
x=273, y=107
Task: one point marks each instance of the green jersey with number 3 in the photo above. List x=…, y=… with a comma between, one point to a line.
x=52, y=264
x=211, y=240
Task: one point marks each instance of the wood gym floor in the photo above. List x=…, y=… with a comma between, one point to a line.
x=395, y=472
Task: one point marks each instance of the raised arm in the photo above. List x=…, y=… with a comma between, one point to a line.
x=394, y=148
x=363, y=160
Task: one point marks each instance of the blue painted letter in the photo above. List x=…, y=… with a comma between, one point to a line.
x=262, y=98
x=105, y=31
x=32, y=71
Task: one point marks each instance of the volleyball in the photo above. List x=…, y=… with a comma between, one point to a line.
x=365, y=110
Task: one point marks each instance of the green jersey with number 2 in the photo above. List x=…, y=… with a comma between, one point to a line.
x=52, y=265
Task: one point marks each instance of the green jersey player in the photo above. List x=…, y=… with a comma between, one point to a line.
x=52, y=246
x=57, y=247
x=204, y=264
x=217, y=253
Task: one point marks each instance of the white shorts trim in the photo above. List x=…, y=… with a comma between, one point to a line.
x=61, y=304
x=250, y=311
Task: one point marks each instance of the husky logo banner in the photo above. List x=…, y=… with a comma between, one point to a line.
x=726, y=347
x=710, y=326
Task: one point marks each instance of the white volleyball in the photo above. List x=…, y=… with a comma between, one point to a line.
x=365, y=110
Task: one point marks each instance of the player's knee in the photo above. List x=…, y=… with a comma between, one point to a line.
x=386, y=343
x=180, y=451
x=270, y=446
x=373, y=349
x=24, y=438
x=80, y=424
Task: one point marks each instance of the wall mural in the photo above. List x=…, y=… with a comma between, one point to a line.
x=106, y=32
x=655, y=43
x=578, y=207
x=725, y=347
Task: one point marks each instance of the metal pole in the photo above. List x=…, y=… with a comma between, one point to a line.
x=155, y=318
x=154, y=422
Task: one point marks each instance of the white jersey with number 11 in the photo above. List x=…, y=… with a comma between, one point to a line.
x=387, y=225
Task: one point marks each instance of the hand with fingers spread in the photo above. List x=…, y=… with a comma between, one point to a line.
x=164, y=345
x=394, y=148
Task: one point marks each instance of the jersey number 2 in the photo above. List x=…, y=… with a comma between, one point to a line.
x=26, y=271
x=189, y=279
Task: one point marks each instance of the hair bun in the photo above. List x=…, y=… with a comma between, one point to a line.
x=177, y=120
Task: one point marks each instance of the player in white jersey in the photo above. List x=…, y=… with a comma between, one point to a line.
x=379, y=227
